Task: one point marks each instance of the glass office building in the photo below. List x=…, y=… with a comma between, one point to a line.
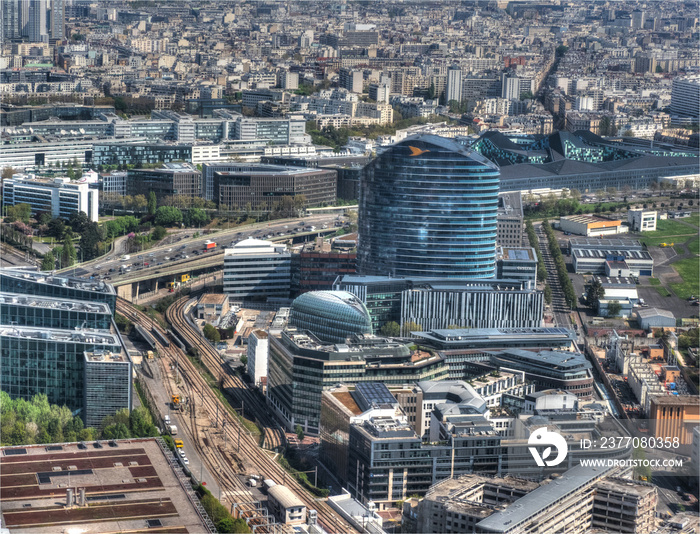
x=107, y=385
x=57, y=286
x=428, y=208
x=43, y=312
x=331, y=316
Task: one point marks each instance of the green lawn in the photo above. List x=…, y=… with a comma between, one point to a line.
x=663, y=291
x=654, y=281
x=693, y=219
x=689, y=270
x=694, y=246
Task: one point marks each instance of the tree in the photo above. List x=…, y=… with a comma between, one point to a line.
x=48, y=262
x=79, y=221
x=56, y=228
x=18, y=212
x=68, y=254
x=390, y=329
x=300, y=432
x=152, y=203
x=158, y=233
x=595, y=292
x=7, y=172
x=211, y=333
x=197, y=217
x=614, y=309
x=168, y=216
x=90, y=242
x=547, y=294
x=410, y=326
x=611, y=191
x=116, y=431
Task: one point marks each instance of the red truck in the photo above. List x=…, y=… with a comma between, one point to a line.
x=209, y=245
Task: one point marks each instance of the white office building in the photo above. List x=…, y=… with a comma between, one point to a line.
x=256, y=269
x=642, y=220
x=257, y=356
x=685, y=96
x=60, y=197
x=453, y=90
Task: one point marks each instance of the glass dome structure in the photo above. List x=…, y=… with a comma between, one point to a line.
x=331, y=316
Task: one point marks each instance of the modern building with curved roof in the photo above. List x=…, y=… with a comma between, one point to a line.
x=331, y=316
x=428, y=208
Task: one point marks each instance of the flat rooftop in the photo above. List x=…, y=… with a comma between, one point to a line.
x=126, y=483
x=33, y=301
x=605, y=242
x=106, y=356
x=60, y=280
x=541, y=498
x=87, y=335
x=500, y=334
x=604, y=253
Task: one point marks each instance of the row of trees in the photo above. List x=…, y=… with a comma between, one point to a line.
x=35, y=421
x=535, y=243
x=558, y=257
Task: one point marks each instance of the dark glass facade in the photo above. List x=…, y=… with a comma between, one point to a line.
x=428, y=207
x=122, y=153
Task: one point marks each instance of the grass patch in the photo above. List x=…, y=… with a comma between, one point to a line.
x=688, y=270
x=693, y=219
x=663, y=291
x=654, y=281
x=668, y=227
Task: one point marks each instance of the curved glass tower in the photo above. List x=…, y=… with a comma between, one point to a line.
x=331, y=316
x=428, y=209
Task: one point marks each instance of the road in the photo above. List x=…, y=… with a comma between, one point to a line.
x=185, y=247
x=559, y=307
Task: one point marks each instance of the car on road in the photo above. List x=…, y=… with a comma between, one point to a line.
x=181, y=452
x=185, y=460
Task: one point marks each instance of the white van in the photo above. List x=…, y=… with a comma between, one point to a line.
x=126, y=257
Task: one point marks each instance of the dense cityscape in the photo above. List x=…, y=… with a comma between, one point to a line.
x=349, y=266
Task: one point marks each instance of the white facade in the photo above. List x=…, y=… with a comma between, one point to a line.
x=206, y=154
x=115, y=182
x=257, y=356
x=453, y=89
x=256, y=269
x=685, y=96
x=642, y=220
x=59, y=197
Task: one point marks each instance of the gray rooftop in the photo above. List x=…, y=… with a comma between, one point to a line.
x=87, y=335
x=538, y=500
x=33, y=301
x=646, y=313
x=62, y=280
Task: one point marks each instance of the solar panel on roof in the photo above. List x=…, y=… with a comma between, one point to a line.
x=54, y=448
x=14, y=452
x=153, y=523
x=375, y=392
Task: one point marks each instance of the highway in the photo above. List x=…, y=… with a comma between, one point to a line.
x=183, y=249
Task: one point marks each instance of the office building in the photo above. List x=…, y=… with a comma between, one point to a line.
x=453, y=89
x=260, y=186
x=45, y=312
x=517, y=264
x=331, y=316
x=58, y=20
x=107, y=385
x=257, y=353
x=51, y=361
x=581, y=160
x=642, y=220
x=674, y=416
x=301, y=367
x=685, y=96
x=211, y=307
x=61, y=287
x=351, y=80
x=173, y=179
x=256, y=270
x=450, y=233
x=317, y=266
x=113, y=183
x=583, y=499
x=547, y=369
x=59, y=197
x=458, y=339
x=380, y=92
x=510, y=220
x=37, y=21
x=439, y=302
x=119, y=153
x=100, y=499
x=10, y=26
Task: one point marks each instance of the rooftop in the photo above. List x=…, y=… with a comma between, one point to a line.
x=60, y=280
x=540, y=499
x=645, y=313
x=87, y=335
x=57, y=304
x=518, y=254
x=284, y=496
x=498, y=334
x=213, y=298
x=127, y=482
x=590, y=219
x=106, y=356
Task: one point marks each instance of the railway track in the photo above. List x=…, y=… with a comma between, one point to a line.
x=233, y=432
x=253, y=406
